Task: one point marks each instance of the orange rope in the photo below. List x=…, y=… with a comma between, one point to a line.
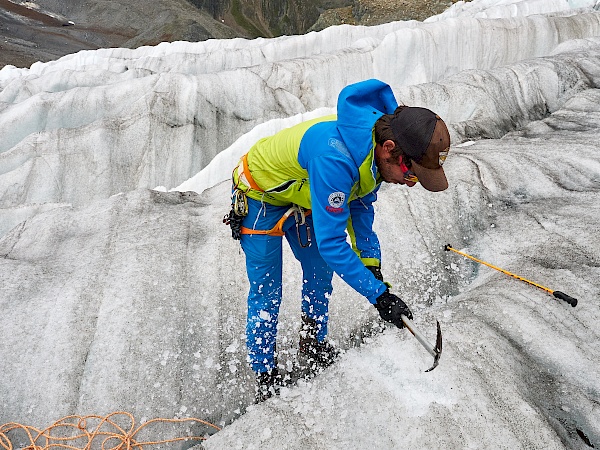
x=73, y=428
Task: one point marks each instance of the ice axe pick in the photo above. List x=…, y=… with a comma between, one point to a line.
x=435, y=351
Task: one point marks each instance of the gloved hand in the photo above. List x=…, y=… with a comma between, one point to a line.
x=390, y=308
x=375, y=270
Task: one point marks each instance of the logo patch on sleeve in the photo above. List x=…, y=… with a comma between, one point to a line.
x=336, y=202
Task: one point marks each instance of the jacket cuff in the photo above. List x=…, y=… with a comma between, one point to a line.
x=371, y=262
x=380, y=290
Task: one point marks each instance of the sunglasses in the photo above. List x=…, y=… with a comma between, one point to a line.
x=409, y=175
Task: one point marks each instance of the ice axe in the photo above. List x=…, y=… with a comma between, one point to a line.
x=560, y=295
x=436, y=351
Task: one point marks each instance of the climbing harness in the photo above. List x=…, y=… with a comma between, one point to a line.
x=300, y=215
x=239, y=210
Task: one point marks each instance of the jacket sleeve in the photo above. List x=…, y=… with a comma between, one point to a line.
x=360, y=227
x=331, y=180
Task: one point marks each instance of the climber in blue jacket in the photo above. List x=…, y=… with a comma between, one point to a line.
x=313, y=183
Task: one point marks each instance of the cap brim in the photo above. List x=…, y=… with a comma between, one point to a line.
x=433, y=180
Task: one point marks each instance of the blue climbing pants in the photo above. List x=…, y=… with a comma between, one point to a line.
x=264, y=268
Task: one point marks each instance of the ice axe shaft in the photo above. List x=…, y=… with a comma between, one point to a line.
x=436, y=351
x=558, y=294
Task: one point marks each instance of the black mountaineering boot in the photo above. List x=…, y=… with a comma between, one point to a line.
x=318, y=355
x=267, y=385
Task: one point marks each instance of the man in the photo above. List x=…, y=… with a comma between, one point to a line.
x=311, y=183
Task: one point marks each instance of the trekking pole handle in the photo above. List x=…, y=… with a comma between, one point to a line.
x=567, y=298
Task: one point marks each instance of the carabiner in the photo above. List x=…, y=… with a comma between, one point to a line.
x=301, y=220
x=239, y=203
x=308, y=240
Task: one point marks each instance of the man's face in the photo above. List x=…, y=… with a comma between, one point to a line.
x=392, y=170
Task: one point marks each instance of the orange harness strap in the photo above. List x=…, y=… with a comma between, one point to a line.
x=277, y=230
x=248, y=175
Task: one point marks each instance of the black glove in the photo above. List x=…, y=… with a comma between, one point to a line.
x=375, y=270
x=390, y=308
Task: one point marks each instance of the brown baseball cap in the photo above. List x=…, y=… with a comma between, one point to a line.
x=424, y=138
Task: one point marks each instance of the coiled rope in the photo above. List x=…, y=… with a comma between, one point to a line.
x=76, y=433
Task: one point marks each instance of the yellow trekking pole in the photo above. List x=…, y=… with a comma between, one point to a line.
x=561, y=295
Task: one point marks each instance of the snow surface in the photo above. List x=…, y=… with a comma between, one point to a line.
x=117, y=296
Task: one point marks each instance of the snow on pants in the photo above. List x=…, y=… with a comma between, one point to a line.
x=264, y=268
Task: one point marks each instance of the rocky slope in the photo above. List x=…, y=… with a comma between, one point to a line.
x=38, y=31
x=48, y=29
x=376, y=12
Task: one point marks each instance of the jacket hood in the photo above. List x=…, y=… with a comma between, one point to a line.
x=359, y=106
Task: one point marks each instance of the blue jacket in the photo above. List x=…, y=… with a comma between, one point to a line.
x=328, y=165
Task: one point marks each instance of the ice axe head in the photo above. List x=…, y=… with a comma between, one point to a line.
x=436, y=351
